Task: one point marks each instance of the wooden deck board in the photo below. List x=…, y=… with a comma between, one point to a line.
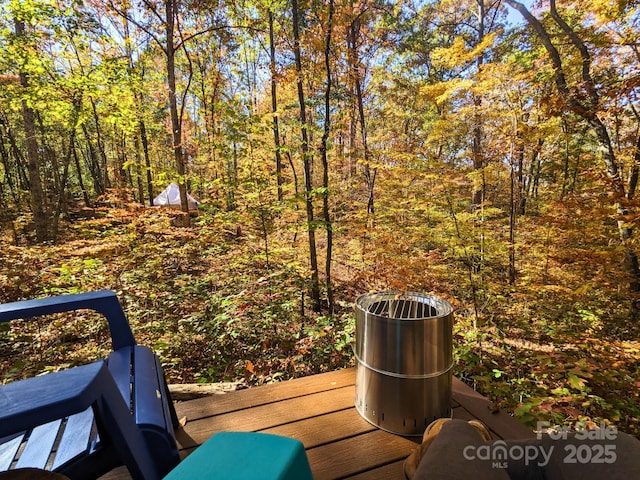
x=331, y=427
x=271, y=415
x=357, y=454
x=392, y=471
x=241, y=399
x=319, y=411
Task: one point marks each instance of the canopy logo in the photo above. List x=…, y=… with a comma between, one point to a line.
x=499, y=453
x=579, y=445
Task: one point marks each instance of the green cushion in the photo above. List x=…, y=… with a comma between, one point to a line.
x=244, y=455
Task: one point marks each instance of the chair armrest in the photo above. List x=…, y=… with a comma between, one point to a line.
x=102, y=301
x=35, y=401
x=26, y=404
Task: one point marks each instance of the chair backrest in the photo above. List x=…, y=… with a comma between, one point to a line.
x=102, y=301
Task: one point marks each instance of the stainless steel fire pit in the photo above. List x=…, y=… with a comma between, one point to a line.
x=404, y=352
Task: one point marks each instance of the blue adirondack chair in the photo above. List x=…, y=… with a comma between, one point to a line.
x=86, y=420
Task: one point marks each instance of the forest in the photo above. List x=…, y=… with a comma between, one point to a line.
x=483, y=151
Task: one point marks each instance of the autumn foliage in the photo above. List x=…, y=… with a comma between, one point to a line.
x=439, y=152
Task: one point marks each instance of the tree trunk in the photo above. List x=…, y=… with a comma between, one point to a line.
x=4, y=155
x=40, y=218
x=635, y=170
x=147, y=160
x=369, y=176
x=325, y=164
x=61, y=204
x=306, y=161
x=512, y=229
x=23, y=176
x=231, y=173
x=49, y=167
x=87, y=202
x=274, y=107
x=139, y=170
x=477, y=150
x=93, y=163
x=119, y=171
x=353, y=131
x=520, y=198
x=176, y=124
x=565, y=170
x=102, y=170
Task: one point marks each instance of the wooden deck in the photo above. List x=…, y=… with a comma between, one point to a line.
x=319, y=410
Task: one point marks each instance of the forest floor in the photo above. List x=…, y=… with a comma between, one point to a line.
x=217, y=305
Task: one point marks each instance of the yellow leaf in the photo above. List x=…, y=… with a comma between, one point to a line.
x=441, y=92
x=458, y=54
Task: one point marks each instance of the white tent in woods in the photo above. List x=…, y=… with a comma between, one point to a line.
x=170, y=197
